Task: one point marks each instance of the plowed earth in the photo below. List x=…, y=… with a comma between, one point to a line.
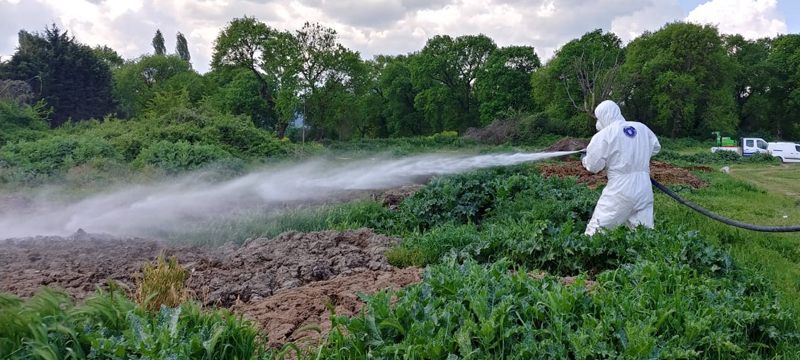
x=282, y=283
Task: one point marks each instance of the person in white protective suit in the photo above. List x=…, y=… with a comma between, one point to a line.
x=624, y=149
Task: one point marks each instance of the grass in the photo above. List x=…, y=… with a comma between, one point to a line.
x=756, y=200
x=163, y=282
x=778, y=179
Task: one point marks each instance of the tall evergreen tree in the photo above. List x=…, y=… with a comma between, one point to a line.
x=158, y=44
x=182, y=48
x=66, y=74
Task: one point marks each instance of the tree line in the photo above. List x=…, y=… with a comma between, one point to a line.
x=682, y=80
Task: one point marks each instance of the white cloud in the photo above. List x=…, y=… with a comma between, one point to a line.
x=651, y=17
x=371, y=26
x=750, y=18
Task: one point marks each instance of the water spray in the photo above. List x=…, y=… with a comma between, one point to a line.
x=137, y=210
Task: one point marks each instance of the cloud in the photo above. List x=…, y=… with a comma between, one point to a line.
x=370, y=27
x=650, y=17
x=750, y=18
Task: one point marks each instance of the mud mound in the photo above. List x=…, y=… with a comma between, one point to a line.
x=262, y=267
x=568, y=144
x=284, y=315
x=393, y=197
x=221, y=276
x=79, y=263
x=663, y=172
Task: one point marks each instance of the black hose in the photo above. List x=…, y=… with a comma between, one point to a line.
x=721, y=219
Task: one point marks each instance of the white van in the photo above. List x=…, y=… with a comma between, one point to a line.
x=786, y=151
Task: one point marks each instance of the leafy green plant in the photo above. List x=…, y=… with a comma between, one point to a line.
x=110, y=326
x=644, y=310
x=179, y=156
x=55, y=154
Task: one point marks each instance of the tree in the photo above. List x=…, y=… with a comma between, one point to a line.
x=445, y=73
x=137, y=82
x=503, y=85
x=270, y=55
x=158, y=44
x=753, y=77
x=182, y=48
x=236, y=91
x=398, y=92
x=321, y=61
x=109, y=56
x=784, y=87
x=581, y=74
x=680, y=81
x=67, y=75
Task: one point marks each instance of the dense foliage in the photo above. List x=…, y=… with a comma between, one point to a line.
x=683, y=80
x=62, y=72
x=492, y=289
x=109, y=326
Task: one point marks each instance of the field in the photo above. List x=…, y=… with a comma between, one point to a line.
x=482, y=265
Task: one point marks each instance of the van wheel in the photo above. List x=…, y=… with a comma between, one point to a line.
x=783, y=161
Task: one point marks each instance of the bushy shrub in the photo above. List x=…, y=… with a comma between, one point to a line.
x=22, y=122
x=514, y=192
x=56, y=154
x=719, y=157
x=179, y=156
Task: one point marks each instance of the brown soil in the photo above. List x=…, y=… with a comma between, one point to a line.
x=282, y=283
x=569, y=144
x=222, y=276
x=261, y=267
x=662, y=172
x=290, y=315
x=393, y=197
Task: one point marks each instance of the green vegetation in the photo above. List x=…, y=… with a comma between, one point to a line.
x=719, y=157
x=669, y=292
x=509, y=275
x=775, y=256
x=498, y=245
x=109, y=326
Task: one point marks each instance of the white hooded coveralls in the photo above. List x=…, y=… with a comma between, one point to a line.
x=624, y=149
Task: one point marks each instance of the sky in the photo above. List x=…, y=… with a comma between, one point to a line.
x=390, y=27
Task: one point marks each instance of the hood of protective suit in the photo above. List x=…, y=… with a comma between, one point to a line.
x=607, y=113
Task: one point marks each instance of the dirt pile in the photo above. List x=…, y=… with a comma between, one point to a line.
x=284, y=315
x=568, y=144
x=222, y=276
x=76, y=264
x=261, y=267
x=662, y=172
x=393, y=197
x=282, y=283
